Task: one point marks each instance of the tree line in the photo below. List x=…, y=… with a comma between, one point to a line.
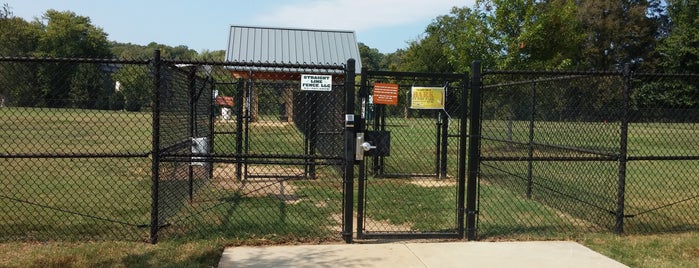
x=651, y=35
x=64, y=34
x=601, y=35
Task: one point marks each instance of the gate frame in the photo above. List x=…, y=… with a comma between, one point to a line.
x=360, y=129
x=474, y=151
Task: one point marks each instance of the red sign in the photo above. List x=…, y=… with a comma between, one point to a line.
x=385, y=94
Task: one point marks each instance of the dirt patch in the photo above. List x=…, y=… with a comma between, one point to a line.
x=433, y=182
x=224, y=176
x=271, y=123
x=370, y=225
x=267, y=172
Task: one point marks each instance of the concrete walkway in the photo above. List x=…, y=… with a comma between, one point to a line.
x=451, y=254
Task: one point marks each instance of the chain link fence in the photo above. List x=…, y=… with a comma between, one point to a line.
x=573, y=152
x=273, y=167
x=75, y=155
x=102, y=149
x=221, y=149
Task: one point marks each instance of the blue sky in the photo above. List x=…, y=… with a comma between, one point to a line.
x=387, y=25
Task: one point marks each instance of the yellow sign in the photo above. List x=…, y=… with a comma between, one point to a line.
x=427, y=98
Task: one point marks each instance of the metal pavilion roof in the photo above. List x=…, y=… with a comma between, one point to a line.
x=292, y=46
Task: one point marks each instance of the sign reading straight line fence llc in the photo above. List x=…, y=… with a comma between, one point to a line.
x=315, y=82
x=385, y=94
x=427, y=98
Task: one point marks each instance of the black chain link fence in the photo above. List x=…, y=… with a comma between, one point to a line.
x=223, y=149
x=75, y=155
x=566, y=153
x=238, y=150
x=274, y=168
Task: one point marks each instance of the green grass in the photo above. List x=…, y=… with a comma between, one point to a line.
x=661, y=250
x=308, y=209
x=660, y=195
x=119, y=190
x=112, y=192
x=61, y=192
x=658, y=250
x=430, y=207
x=52, y=131
x=193, y=253
x=414, y=146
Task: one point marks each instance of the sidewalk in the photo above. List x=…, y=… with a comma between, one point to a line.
x=452, y=254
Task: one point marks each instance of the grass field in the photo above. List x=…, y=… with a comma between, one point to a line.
x=109, y=198
x=72, y=198
x=660, y=195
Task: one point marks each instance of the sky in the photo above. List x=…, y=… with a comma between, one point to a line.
x=386, y=25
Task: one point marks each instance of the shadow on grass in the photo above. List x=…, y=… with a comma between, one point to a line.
x=160, y=258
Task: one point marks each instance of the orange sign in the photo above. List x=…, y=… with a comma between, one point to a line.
x=224, y=101
x=385, y=94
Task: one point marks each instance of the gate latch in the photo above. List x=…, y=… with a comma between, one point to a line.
x=361, y=147
x=366, y=146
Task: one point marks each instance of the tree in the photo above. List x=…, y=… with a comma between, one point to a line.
x=528, y=34
x=392, y=61
x=134, y=85
x=679, y=52
x=17, y=80
x=467, y=35
x=91, y=87
x=372, y=59
x=18, y=37
x=134, y=51
x=618, y=32
x=130, y=51
x=426, y=55
x=209, y=55
x=65, y=34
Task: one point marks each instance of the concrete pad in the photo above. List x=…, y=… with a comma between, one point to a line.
x=350, y=255
x=454, y=254
x=510, y=254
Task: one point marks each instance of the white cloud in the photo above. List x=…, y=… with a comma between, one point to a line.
x=355, y=15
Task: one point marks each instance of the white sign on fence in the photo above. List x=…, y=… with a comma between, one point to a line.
x=315, y=82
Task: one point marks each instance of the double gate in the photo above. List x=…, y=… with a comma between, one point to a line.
x=399, y=142
x=286, y=148
x=409, y=151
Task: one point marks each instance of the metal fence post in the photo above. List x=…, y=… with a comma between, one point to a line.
x=348, y=191
x=623, y=146
x=155, y=166
x=212, y=117
x=240, y=86
x=463, y=139
x=473, y=150
x=192, y=131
